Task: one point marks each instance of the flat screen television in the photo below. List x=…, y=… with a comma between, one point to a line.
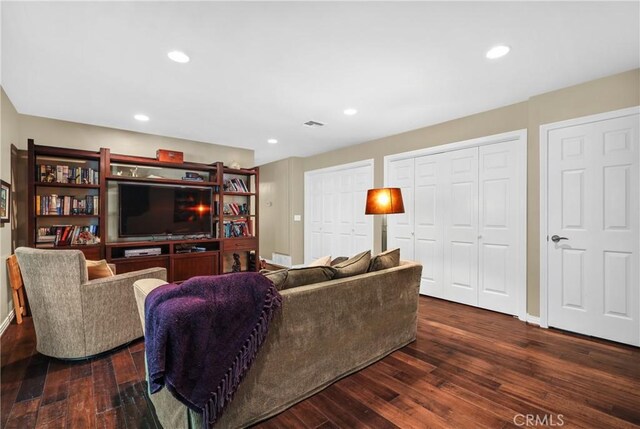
x=149, y=210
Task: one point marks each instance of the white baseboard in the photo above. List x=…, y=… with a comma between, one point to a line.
x=5, y=322
x=534, y=320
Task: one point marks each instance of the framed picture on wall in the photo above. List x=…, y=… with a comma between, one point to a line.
x=5, y=201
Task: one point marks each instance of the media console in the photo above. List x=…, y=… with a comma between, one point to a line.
x=169, y=254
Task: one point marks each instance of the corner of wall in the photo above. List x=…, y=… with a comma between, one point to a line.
x=9, y=131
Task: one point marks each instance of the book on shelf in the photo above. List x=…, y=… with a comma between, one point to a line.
x=63, y=235
x=237, y=228
x=235, y=209
x=46, y=173
x=54, y=204
x=235, y=185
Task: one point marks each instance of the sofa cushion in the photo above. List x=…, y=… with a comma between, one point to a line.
x=384, y=260
x=321, y=262
x=98, y=269
x=307, y=275
x=353, y=266
x=278, y=277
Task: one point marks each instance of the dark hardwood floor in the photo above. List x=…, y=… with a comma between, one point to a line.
x=469, y=368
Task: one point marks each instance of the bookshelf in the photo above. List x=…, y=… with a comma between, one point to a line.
x=237, y=219
x=72, y=191
x=65, y=199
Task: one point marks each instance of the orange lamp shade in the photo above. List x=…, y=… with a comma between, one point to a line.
x=384, y=201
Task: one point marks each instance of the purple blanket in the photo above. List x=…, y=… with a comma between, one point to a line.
x=203, y=335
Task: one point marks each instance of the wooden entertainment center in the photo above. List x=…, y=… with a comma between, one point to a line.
x=73, y=196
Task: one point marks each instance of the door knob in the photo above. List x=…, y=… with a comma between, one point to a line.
x=556, y=238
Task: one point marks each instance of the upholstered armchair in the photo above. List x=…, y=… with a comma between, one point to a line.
x=74, y=317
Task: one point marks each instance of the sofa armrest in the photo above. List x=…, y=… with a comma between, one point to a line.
x=142, y=288
x=128, y=278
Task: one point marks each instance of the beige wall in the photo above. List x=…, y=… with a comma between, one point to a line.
x=609, y=93
x=52, y=132
x=8, y=136
x=281, y=199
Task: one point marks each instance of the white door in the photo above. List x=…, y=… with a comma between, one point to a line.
x=362, y=224
x=460, y=177
x=335, y=200
x=430, y=199
x=314, y=217
x=499, y=227
x=400, y=228
x=592, y=203
x=330, y=214
x=345, y=213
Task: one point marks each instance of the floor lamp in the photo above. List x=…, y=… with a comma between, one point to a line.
x=384, y=201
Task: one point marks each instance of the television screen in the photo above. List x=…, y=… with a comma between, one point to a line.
x=147, y=210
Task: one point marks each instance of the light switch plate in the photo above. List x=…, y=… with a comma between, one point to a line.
x=297, y=218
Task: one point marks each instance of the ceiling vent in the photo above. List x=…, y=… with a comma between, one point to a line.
x=313, y=124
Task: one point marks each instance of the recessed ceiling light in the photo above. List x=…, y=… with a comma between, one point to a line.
x=498, y=51
x=141, y=117
x=178, y=56
x=350, y=112
x=272, y=141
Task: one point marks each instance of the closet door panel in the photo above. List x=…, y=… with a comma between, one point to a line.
x=330, y=215
x=460, y=186
x=316, y=217
x=400, y=227
x=498, y=227
x=362, y=224
x=345, y=213
x=428, y=223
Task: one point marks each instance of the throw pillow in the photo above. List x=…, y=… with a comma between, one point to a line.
x=353, y=266
x=321, y=262
x=308, y=275
x=98, y=269
x=384, y=260
x=338, y=260
x=278, y=277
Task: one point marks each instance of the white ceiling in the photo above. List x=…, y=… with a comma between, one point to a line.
x=259, y=70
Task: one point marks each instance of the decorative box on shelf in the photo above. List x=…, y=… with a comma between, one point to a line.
x=169, y=156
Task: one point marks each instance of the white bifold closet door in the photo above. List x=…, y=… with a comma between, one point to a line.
x=336, y=223
x=461, y=223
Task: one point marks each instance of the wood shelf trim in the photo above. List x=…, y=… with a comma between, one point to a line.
x=240, y=194
x=161, y=181
x=74, y=247
x=161, y=242
x=140, y=160
x=67, y=185
x=69, y=215
x=65, y=153
x=141, y=258
x=240, y=171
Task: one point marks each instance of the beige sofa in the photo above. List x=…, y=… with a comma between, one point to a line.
x=322, y=333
